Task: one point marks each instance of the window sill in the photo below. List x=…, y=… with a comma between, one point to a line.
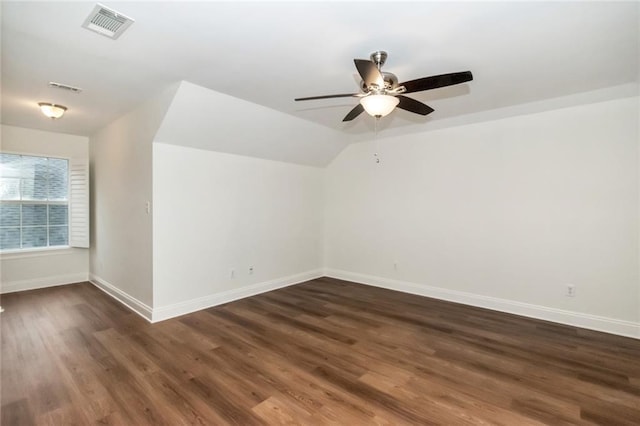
x=36, y=252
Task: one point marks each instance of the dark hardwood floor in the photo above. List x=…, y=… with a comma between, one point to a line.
x=323, y=352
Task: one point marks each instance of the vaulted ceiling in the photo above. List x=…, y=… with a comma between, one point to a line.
x=268, y=53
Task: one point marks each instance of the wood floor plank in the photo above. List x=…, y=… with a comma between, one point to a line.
x=322, y=352
x=17, y=413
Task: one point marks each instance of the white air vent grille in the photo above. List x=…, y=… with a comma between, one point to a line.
x=107, y=22
x=55, y=85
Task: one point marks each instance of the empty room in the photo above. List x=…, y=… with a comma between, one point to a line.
x=309, y=213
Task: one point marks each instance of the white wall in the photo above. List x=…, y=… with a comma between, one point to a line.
x=43, y=268
x=215, y=212
x=121, y=227
x=502, y=214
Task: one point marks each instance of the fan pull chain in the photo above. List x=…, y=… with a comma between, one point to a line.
x=375, y=140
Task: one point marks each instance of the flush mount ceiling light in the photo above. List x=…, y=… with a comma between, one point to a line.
x=52, y=111
x=379, y=105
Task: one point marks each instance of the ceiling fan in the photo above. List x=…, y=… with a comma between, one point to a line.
x=381, y=92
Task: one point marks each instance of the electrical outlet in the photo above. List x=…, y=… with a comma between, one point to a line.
x=395, y=265
x=232, y=274
x=250, y=270
x=571, y=290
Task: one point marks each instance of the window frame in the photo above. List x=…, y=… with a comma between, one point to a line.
x=45, y=202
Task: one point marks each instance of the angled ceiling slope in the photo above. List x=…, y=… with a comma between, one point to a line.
x=202, y=118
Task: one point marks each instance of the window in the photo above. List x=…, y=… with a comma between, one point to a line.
x=34, y=202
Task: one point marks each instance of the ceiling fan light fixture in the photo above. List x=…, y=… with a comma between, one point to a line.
x=379, y=105
x=52, y=111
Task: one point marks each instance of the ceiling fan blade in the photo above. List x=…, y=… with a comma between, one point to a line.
x=411, y=105
x=342, y=95
x=369, y=72
x=356, y=111
x=436, y=81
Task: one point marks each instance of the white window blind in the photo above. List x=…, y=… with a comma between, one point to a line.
x=79, y=203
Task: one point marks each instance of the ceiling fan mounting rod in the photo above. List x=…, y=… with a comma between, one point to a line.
x=379, y=57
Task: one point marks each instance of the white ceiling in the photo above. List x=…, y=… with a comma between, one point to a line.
x=271, y=52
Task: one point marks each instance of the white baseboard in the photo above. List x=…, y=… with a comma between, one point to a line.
x=165, y=312
x=592, y=322
x=145, y=311
x=33, y=284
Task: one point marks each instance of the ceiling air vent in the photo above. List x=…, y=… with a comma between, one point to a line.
x=55, y=85
x=107, y=22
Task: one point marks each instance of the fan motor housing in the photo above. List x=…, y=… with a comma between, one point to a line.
x=390, y=82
